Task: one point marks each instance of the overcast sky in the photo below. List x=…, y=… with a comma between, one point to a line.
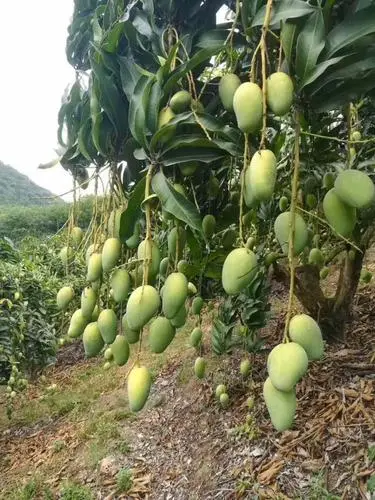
x=34, y=75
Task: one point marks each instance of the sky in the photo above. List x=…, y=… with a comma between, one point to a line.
x=34, y=75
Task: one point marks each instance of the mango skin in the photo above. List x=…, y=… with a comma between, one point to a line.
x=88, y=301
x=77, y=324
x=197, y=305
x=355, y=188
x=114, y=221
x=279, y=92
x=196, y=337
x=281, y=406
x=64, y=297
x=94, y=267
x=305, y=331
x=180, y=101
x=77, y=235
x=92, y=340
x=180, y=319
x=66, y=255
x=120, y=350
x=147, y=249
x=248, y=107
x=316, y=257
x=174, y=294
x=281, y=228
x=139, y=384
x=108, y=356
x=165, y=116
x=160, y=335
x=208, y=225
x=163, y=267
x=262, y=174
x=120, y=284
x=172, y=242
x=107, y=324
x=228, y=85
x=132, y=336
x=111, y=253
x=142, y=305
x=286, y=365
x=200, y=367
x=339, y=215
x=188, y=169
x=238, y=270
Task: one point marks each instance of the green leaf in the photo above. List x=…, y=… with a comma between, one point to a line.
x=198, y=141
x=187, y=154
x=175, y=203
x=287, y=36
x=137, y=115
x=153, y=106
x=318, y=70
x=354, y=27
x=213, y=39
x=310, y=43
x=194, y=245
x=112, y=37
x=284, y=9
x=133, y=211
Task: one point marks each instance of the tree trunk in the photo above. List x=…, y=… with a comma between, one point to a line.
x=332, y=313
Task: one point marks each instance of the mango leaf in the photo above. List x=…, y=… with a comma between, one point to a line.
x=318, y=70
x=198, y=141
x=187, y=154
x=354, y=27
x=153, y=106
x=133, y=211
x=194, y=246
x=310, y=43
x=130, y=73
x=137, y=115
x=287, y=36
x=284, y=9
x=175, y=203
x=213, y=39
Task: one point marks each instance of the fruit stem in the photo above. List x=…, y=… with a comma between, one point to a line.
x=263, y=51
x=245, y=155
x=148, y=249
x=292, y=220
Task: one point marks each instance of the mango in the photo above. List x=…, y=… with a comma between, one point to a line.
x=245, y=367
x=88, y=301
x=262, y=174
x=134, y=240
x=172, y=243
x=92, y=340
x=95, y=313
x=305, y=331
x=64, y=297
x=120, y=350
x=66, y=255
x=163, y=267
x=281, y=228
x=286, y=364
x=107, y=324
x=248, y=107
x=339, y=215
x=77, y=235
x=200, y=367
x=111, y=253
x=228, y=239
x=328, y=180
x=213, y=187
x=161, y=334
x=271, y=258
x=180, y=318
x=165, y=116
x=132, y=336
x=324, y=273
x=208, y=226
x=248, y=194
x=149, y=250
x=228, y=85
x=142, y=305
x=108, y=355
x=355, y=188
x=114, y=221
x=107, y=365
x=139, y=385
x=120, y=285
x=316, y=257
x=90, y=250
x=224, y=399
x=94, y=267
x=196, y=337
x=192, y=289
x=197, y=305
x=311, y=201
x=180, y=101
x=283, y=203
x=238, y=270
x=77, y=324
x=281, y=406
x=220, y=389
x=179, y=188
x=279, y=92
x=188, y=169
x=356, y=136
x=174, y=294
x=251, y=242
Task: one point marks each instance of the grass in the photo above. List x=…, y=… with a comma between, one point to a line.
x=318, y=490
x=34, y=489
x=124, y=480
x=73, y=491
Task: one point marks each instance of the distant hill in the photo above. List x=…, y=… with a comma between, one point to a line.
x=18, y=189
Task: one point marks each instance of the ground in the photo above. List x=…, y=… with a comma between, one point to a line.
x=73, y=437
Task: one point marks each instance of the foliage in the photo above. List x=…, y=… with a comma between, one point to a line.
x=124, y=480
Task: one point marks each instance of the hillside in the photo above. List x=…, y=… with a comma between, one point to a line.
x=18, y=189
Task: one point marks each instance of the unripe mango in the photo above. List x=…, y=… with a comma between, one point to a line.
x=355, y=188
x=114, y=221
x=120, y=284
x=188, y=169
x=196, y=337
x=305, y=331
x=281, y=228
x=316, y=257
x=220, y=389
x=283, y=203
x=95, y=313
x=94, y=267
x=149, y=250
x=208, y=226
x=92, y=340
x=180, y=318
x=311, y=201
x=134, y=240
x=142, y=305
x=248, y=194
x=174, y=294
x=107, y=324
x=224, y=399
x=328, y=180
x=238, y=270
x=339, y=215
x=90, y=250
x=180, y=101
x=77, y=235
x=139, y=384
x=324, y=273
x=248, y=107
x=228, y=239
x=197, y=305
x=163, y=266
x=262, y=174
x=120, y=350
x=281, y=406
x=251, y=242
x=200, y=367
x=132, y=336
x=271, y=258
x=66, y=255
x=172, y=242
x=213, y=187
x=286, y=365
x=64, y=297
x=165, y=116
x=161, y=334
x=245, y=367
x=279, y=93
x=228, y=85
x=77, y=324
x=108, y=355
x=110, y=254
x=88, y=301
x=192, y=289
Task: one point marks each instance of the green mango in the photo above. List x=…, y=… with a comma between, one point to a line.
x=77, y=324
x=111, y=253
x=281, y=406
x=238, y=270
x=316, y=257
x=213, y=187
x=192, y=289
x=107, y=324
x=324, y=273
x=163, y=268
x=248, y=107
x=283, y=203
x=311, y=201
x=161, y=334
x=180, y=101
x=88, y=301
x=356, y=136
x=196, y=337
x=139, y=385
x=120, y=284
x=94, y=267
x=208, y=226
x=339, y=215
x=180, y=318
x=165, y=116
x=355, y=188
x=120, y=350
x=92, y=340
x=188, y=169
x=224, y=399
x=228, y=239
x=77, y=235
x=132, y=336
x=248, y=194
x=262, y=175
x=114, y=222
x=287, y=364
x=245, y=367
x=305, y=331
x=66, y=255
x=281, y=228
x=142, y=305
x=228, y=85
x=64, y=296
x=174, y=294
x=108, y=355
x=279, y=92
x=200, y=367
x=328, y=180
x=197, y=305
x=220, y=389
x=95, y=313
x=134, y=240
x=271, y=258
x=172, y=243
x=148, y=249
